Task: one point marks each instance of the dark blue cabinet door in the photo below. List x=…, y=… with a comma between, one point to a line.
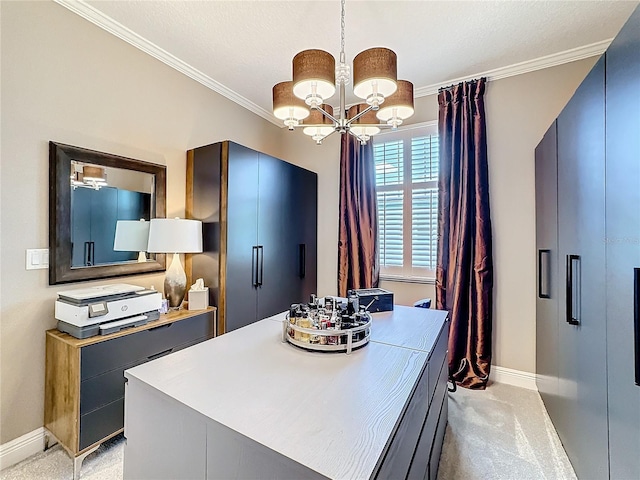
x=242, y=236
x=80, y=226
x=548, y=285
x=582, y=366
x=623, y=246
x=306, y=232
x=278, y=223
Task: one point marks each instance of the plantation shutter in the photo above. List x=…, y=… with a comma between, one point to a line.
x=407, y=192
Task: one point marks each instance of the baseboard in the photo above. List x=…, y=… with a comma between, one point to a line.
x=21, y=448
x=513, y=377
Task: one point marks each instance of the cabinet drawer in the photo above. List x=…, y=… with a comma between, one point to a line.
x=101, y=423
x=398, y=457
x=142, y=346
x=101, y=390
x=434, y=459
x=420, y=464
x=105, y=388
x=438, y=355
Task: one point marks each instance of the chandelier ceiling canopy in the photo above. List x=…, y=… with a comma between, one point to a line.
x=302, y=102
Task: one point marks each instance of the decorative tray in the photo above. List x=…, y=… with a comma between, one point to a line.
x=328, y=340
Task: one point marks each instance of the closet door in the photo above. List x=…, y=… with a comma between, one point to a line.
x=80, y=225
x=277, y=246
x=623, y=249
x=306, y=231
x=104, y=215
x=241, y=275
x=582, y=420
x=203, y=203
x=548, y=286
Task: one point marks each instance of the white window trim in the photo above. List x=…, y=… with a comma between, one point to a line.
x=396, y=274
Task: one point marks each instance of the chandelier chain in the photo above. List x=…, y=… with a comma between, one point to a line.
x=342, y=69
x=342, y=28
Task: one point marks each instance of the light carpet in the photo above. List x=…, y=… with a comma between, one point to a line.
x=502, y=433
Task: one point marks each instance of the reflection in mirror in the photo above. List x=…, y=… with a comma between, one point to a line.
x=132, y=236
x=96, y=202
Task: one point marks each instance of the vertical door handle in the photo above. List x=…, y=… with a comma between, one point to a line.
x=571, y=291
x=261, y=268
x=636, y=320
x=544, y=273
x=254, y=266
x=87, y=252
x=302, y=256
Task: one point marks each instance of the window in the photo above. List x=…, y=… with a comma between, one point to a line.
x=407, y=190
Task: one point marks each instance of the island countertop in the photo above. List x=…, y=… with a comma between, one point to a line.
x=331, y=413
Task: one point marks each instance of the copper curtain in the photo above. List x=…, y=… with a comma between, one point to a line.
x=358, y=263
x=464, y=275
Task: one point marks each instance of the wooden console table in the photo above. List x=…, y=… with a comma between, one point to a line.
x=246, y=405
x=84, y=378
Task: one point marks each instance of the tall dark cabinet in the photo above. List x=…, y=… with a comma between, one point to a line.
x=582, y=424
x=259, y=216
x=623, y=249
x=588, y=231
x=546, y=168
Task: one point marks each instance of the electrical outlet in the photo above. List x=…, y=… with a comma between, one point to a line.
x=37, y=258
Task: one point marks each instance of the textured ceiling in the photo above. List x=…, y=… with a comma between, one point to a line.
x=247, y=46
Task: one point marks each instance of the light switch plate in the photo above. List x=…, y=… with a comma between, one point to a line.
x=37, y=258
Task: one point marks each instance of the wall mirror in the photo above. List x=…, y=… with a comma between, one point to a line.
x=96, y=204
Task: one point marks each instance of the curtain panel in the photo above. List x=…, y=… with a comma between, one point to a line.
x=464, y=273
x=358, y=262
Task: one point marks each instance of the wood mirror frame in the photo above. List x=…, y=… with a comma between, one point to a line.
x=60, y=158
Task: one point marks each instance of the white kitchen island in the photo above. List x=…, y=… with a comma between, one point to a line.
x=245, y=405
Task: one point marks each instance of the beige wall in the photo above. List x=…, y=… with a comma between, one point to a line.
x=519, y=110
x=66, y=80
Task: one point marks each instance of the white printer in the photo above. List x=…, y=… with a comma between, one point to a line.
x=105, y=309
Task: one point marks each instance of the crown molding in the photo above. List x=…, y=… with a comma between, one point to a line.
x=540, y=63
x=105, y=22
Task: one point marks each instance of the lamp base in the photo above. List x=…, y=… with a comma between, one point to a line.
x=175, y=282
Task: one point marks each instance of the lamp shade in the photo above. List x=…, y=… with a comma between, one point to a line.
x=286, y=106
x=175, y=235
x=375, y=73
x=317, y=124
x=398, y=106
x=131, y=236
x=367, y=124
x=93, y=173
x=314, y=75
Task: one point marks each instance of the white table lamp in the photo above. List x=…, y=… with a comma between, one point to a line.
x=132, y=236
x=175, y=235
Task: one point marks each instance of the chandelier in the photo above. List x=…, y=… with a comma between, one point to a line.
x=88, y=176
x=301, y=102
